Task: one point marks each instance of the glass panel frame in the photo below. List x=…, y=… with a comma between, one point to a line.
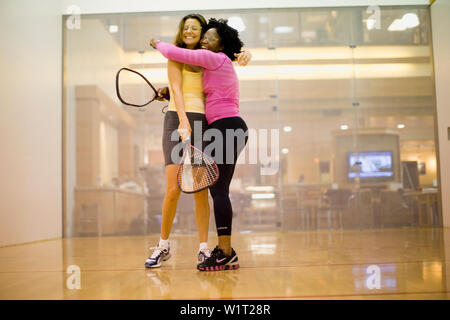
x=320, y=78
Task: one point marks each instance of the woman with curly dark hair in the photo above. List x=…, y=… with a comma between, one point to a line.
x=186, y=107
x=220, y=45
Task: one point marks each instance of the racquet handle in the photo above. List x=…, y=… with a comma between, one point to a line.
x=185, y=135
x=166, y=95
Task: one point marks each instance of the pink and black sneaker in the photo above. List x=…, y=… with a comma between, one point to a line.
x=219, y=261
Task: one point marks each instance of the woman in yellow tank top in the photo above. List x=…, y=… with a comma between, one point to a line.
x=185, y=114
x=192, y=90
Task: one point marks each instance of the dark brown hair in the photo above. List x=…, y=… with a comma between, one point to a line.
x=179, y=36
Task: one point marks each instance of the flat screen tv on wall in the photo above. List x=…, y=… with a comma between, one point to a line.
x=373, y=166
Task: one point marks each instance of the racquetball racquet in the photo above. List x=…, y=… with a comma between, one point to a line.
x=197, y=171
x=133, y=89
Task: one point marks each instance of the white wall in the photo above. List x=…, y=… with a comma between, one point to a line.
x=440, y=19
x=30, y=121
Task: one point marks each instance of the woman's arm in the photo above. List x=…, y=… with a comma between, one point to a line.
x=203, y=58
x=174, y=71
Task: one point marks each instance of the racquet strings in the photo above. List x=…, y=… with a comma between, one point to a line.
x=197, y=171
x=133, y=88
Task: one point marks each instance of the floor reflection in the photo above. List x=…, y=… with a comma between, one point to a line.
x=331, y=264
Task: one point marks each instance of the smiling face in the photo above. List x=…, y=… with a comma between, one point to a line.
x=192, y=31
x=211, y=41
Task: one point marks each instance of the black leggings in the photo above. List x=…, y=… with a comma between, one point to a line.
x=220, y=191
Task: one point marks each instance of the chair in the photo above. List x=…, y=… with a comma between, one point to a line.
x=289, y=208
x=308, y=203
x=395, y=210
x=428, y=210
x=336, y=202
x=361, y=211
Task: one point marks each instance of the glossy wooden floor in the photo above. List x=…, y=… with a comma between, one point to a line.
x=293, y=265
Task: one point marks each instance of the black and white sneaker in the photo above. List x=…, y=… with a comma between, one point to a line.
x=219, y=261
x=159, y=255
x=203, y=255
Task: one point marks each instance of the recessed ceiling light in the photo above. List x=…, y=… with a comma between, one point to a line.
x=113, y=28
x=409, y=20
x=283, y=29
x=400, y=126
x=287, y=129
x=344, y=127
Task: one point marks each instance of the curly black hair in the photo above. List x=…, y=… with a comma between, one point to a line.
x=229, y=37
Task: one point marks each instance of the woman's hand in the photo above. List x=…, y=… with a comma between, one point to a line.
x=243, y=58
x=153, y=43
x=184, y=129
x=163, y=94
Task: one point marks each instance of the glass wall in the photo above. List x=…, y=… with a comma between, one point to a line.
x=339, y=102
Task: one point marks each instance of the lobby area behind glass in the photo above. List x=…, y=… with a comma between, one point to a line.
x=339, y=102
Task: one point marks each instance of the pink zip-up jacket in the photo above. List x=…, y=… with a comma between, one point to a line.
x=220, y=82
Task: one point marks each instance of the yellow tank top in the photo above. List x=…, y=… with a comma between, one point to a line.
x=194, y=98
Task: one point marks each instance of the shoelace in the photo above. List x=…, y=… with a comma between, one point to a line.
x=206, y=252
x=157, y=251
x=214, y=253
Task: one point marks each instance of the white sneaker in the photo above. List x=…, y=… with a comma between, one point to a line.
x=159, y=255
x=203, y=255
